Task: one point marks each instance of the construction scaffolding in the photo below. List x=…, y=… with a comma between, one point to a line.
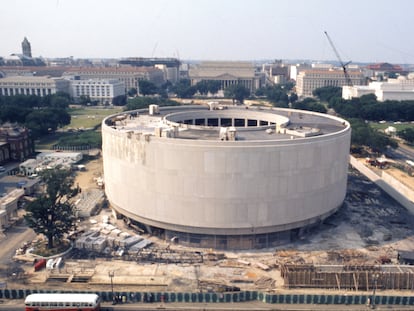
x=355, y=277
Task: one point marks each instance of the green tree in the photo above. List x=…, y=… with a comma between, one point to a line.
x=237, y=92
x=84, y=100
x=326, y=93
x=363, y=135
x=147, y=88
x=132, y=92
x=293, y=98
x=46, y=120
x=208, y=86
x=183, y=89
x=309, y=104
x=277, y=94
x=119, y=100
x=53, y=214
x=13, y=114
x=202, y=87
x=60, y=102
x=213, y=86
x=407, y=134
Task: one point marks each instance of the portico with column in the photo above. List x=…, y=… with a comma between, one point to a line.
x=39, y=86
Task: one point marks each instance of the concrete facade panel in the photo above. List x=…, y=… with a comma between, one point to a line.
x=213, y=187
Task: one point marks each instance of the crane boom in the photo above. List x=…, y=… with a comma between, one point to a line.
x=343, y=65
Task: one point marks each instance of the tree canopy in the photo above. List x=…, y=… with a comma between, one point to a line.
x=367, y=107
x=309, y=104
x=208, y=86
x=119, y=100
x=52, y=213
x=363, y=109
x=276, y=94
x=147, y=88
x=237, y=92
x=327, y=93
x=132, y=92
x=39, y=114
x=364, y=135
x=183, y=89
x=407, y=134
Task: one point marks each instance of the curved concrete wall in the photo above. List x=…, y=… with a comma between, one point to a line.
x=212, y=187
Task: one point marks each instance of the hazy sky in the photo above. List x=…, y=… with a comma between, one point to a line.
x=362, y=30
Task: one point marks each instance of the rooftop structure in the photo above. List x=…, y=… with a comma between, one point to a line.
x=225, y=177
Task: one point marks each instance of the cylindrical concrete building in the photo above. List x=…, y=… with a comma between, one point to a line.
x=225, y=177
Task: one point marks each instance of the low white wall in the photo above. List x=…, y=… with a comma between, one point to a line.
x=400, y=192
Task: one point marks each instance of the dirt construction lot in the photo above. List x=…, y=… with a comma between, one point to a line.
x=368, y=227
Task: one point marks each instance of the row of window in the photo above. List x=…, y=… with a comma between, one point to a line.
x=23, y=91
x=14, y=84
x=92, y=86
x=92, y=94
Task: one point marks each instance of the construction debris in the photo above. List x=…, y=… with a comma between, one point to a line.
x=265, y=283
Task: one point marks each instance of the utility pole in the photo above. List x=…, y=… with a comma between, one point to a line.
x=111, y=274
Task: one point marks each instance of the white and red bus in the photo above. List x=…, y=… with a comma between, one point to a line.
x=62, y=302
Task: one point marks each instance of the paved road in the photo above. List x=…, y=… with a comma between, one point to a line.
x=402, y=153
x=13, y=239
x=247, y=306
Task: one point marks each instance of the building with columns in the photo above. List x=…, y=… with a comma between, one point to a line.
x=29, y=85
x=228, y=73
x=311, y=79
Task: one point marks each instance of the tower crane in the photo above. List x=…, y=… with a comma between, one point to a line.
x=343, y=65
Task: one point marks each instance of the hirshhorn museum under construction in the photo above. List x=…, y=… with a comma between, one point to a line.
x=224, y=176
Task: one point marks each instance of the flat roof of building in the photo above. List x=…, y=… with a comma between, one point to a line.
x=262, y=123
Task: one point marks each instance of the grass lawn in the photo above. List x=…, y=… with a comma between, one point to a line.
x=87, y=117
x=81, y=117
x=398, y=126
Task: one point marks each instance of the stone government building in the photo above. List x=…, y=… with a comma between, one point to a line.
x=228, y=73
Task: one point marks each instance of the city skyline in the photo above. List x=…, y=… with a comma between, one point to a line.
x=362, y=31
